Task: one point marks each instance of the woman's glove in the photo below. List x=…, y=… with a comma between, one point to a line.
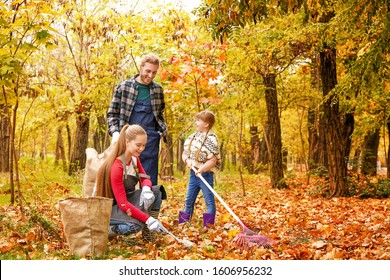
x=146, y=198
x=115, y=137
x=155, y=225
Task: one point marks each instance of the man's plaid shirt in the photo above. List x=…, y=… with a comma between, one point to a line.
x=123, y=102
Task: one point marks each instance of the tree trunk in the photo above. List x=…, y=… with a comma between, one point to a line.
x=4, y=139
x=388, y=150
x=349, y=124
x=166, y=169
x=356, y=160
x=12, y=157
x=370, y=152
x=180, y=148
x=264, y=155
x=99, y=136
x=317, y=142
x=222, y=153
x=302, y=157
x=15, y=156
x=336, y=143
x=42, y=152
x=68, y=133
x=78, y=157
x=274, y=136
x=234, y=157
x=285, y=158
x=322, y=146
x=255, y=145
x=313, y=138
x=264, y=158
x=60, y=149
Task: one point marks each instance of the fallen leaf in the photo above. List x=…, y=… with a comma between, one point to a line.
x=319, y=244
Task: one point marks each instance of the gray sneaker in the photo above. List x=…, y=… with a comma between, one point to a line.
x=112, y=232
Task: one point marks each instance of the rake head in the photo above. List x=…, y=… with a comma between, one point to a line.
x=249, y=238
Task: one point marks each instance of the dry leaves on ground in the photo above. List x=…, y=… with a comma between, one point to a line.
x=302, y=226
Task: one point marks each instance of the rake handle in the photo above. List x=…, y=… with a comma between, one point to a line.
x=174, y=237
x=219, y=198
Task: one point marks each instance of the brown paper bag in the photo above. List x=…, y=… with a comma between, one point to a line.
x=86, y=222
x=92, y=164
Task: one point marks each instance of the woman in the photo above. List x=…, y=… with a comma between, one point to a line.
x=117, y=178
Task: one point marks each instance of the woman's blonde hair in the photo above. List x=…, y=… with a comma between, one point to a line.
x=103, y=179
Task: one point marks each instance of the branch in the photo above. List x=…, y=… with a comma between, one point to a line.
x=73, y=55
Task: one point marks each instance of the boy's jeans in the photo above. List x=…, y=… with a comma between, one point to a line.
x=195, y=184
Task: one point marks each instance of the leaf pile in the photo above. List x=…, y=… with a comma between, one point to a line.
x=303, y=226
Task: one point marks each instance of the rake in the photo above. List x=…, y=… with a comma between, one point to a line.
x=186, y=243
x=247, y=237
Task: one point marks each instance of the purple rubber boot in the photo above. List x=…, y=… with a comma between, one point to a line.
x=184, y=217
x=208, y=219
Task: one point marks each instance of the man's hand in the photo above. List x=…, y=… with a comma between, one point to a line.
x=115, y=137
x=155, y=225
x=147, y=197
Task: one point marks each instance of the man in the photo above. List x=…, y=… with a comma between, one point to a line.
x=140, y=100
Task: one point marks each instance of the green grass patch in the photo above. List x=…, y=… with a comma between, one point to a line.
x=5, y=199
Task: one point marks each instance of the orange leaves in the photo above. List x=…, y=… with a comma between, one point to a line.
x=174, y=60
x=302, y=226
x=222, y=57
x=319, y=244
x=6, y=247
x=194, y=71
x=163, y=73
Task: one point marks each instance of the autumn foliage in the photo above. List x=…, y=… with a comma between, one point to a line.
x=303, y=224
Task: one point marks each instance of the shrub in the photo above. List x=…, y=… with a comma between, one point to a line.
x=380, y=189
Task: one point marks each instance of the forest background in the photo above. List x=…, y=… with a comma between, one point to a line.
x=301, y=94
